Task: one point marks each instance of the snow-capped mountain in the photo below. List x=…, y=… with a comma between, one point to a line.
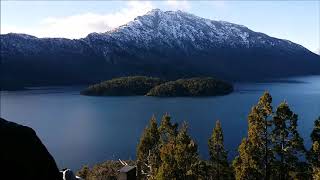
x=169, y=44
x=175, y=28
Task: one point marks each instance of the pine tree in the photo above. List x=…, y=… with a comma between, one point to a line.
x=167, y=130
x=314, y=153
x=218, y=155
x=186, y=154
x=168, y=168
x=167, y=133
x=316, y=160
x=84, y=172
x=179, y=157
x=265, y=108
x=255, y=155
x=316, y=174
x=147, y=150
x=288, y=145
x=245, y=165
x=315, y=135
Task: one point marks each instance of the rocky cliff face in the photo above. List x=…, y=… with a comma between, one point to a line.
x=170, y=44
x=23, y=156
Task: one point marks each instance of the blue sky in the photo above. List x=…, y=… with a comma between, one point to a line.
x=298, y=21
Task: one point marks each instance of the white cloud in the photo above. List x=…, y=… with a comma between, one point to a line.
x=178, y=5
x=77, y=26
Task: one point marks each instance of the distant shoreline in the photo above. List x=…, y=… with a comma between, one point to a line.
x=82, y=85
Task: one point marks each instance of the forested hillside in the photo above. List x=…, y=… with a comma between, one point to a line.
x=165, y=44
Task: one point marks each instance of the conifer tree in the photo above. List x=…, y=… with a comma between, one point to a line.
x=218, y=155
x=84, y=172
x=167, y=134
x=168, y=168
x=167, y=130
x=255, y=155
x=147, y=150
x=245, y=165
x=288, y=145
x=316, y=160
x=314, y=153
x=265, y=108
x=186, y=154
x=179, y=157
x=315, y=134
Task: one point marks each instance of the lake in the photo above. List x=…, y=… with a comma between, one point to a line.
x=80, y=130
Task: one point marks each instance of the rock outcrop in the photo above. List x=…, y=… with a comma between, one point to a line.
x=23, y=156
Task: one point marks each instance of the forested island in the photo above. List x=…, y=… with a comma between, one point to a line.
x=273, y=149
x=123, y=86
x=149, y=86
x=192, y=87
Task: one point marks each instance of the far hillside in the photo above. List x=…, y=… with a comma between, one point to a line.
x=168, y=44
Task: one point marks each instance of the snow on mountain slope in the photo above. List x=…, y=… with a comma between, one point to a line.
x=175, y=28
x=170, y=44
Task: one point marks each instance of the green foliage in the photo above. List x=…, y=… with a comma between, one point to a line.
x=255, y=155
x=272, y=150
x=168, y=168
x=314, y=153
x=192, y=87
x=315, y=135
x=287, y=143
x=147, y=150
x=141, y=85
x=179, y=157
x=218, y=156
x=245, y=164
x=84, y=172
x=107, y=170
x=316, y=173
x=168, y=131
x=123, y=86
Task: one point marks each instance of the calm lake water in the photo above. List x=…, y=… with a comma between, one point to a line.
x=80, y=130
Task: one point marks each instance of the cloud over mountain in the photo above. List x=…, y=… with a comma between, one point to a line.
x=80, y=25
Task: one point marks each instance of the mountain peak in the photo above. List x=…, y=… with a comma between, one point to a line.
x=25, y=36
x=175, y=28
x=153, y=11
x=165, y=43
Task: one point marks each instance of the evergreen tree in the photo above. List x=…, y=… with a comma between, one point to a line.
x=167, y=134
x=84, y=172
x=265, y=108
x=179, y=157
x=255, y=154
x=315, y=134
x=314, y=153
x=218, y=155
x=168, y=168
x=245, y=165
x=316, y=174
x=147, y=151
x=167, y=130
x=316, y=160
x=288, y=145
x=186, y=154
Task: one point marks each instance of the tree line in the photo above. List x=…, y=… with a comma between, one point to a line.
x=198, y=86
x=273, y=149
x=150, y=86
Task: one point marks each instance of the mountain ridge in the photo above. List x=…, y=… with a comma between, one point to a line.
x=169, y=44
